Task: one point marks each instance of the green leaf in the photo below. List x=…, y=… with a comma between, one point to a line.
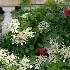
x=24, y=25
x=53, y=67
x=40, y=45
x=45, y=30
x=60, y=64
x=67, y=35
x=68, y=0
x=32, y=58
x=60, y=39
x=50, y=17
x=47, y=44
x=12, y=68
x=49, y=68
x=31, y=47
x=46, y=63
x=25, y=3
x=26, y=50
x=19, y=29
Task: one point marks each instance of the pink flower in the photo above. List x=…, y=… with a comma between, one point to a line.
x=67, y=11
x=42, y=51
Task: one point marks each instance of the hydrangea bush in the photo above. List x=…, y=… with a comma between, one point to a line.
x=39, y=39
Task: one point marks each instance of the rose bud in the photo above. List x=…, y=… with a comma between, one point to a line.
x=67, y=11
x=42, y=51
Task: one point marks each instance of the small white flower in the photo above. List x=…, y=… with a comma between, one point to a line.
x=24, y=64
x=24, y=15
x=11, y=25
x=43, y=25
x=63, y=60
x=65, y=51
x=22, y=37
x=7, y=59
x=53, y=50
x=39, y=61
x=31, y=66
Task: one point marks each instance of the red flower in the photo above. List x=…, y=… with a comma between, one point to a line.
x=67, y=11
x=42, y=51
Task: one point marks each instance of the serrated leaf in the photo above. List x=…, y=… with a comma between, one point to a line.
x=46, y=63
x=19, y=29
x=40, y=45
x=60, y=39
x=60, y=64
x=67, y=35
x=12, y=68
x=32, y=58
x=31, y=47
x=47, y=44
x=50, y=17
x=26, y=50
x=49, y=68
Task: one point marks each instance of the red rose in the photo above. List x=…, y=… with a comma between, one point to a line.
x=42, y=51
x=67, y=11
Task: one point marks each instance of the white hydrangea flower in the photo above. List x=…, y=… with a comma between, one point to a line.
x=22, y=37
x=39, y=61
x=7, y=59
x=24, y=64
x=54, y=46
x=11, y=25
x=53, y=50
x=65, y=51
x=43, y=25
x=52, y=58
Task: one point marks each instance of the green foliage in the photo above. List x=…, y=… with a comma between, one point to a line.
x=59, y=27
x=13, y=68
x=68, y=0
x=47, y=44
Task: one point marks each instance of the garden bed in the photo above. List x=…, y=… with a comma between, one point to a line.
x=38, y=39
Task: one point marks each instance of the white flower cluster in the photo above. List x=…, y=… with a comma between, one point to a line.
x=65, y=51
x=22, y=37
x=11, y=25
x=18, y=37
x=53, y=50
x=24, y=15
x=43, y=25
x=7, y=59
x=39, y=61
x=24, y=64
